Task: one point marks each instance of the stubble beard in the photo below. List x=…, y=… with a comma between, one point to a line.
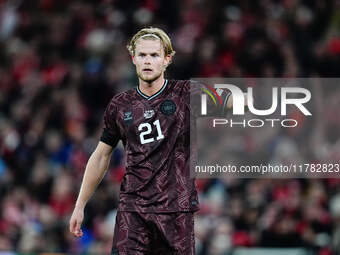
x=148, y=79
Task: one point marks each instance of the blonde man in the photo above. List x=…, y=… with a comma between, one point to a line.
x=157, y=197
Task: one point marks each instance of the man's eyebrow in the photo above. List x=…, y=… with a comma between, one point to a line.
x=151, y=53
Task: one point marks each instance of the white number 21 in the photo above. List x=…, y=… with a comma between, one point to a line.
x=148, y=131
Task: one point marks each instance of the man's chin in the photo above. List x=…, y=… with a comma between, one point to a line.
x=148, y=79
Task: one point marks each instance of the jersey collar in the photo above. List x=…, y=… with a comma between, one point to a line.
x=154, y=95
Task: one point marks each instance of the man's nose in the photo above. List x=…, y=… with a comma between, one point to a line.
x=147, y=60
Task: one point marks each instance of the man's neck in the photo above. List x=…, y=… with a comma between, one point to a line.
x=152, y=88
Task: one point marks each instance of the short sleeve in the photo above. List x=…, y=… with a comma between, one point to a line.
x=111, y=134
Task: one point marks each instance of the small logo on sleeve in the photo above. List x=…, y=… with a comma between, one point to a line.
x=128, y=117
x=194, y=202
x=115, y=251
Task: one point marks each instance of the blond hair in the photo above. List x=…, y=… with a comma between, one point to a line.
x=152, y=33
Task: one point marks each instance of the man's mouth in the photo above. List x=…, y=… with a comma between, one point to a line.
x=147, y=70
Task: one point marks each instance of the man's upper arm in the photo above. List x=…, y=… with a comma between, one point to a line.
x=111, y=133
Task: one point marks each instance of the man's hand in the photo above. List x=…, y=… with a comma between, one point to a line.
x=76, y=221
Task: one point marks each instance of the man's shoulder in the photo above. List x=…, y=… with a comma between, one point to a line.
x=186, y=86
x=123, y=97
x=186, y=83
x=178, y=82
x=180, y=86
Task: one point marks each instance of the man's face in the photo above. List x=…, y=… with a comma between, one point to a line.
x=149, y=59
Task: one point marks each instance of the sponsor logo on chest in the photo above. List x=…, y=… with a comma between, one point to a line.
x=148, y=114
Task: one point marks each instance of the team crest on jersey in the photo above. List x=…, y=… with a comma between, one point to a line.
x=168, y=107
x=149, y=113
x=128, y=117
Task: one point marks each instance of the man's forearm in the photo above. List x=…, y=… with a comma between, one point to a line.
x=95, y=170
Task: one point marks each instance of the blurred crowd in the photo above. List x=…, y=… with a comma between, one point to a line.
x=62, y=60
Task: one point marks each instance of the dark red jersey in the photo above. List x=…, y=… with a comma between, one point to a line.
x=155, y=132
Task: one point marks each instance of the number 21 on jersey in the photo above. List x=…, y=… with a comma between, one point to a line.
x=146, y=129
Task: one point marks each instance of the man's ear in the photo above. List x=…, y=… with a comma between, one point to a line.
x=133, y=60
x=167, y=60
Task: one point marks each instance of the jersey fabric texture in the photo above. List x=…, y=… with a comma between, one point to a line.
x=155, y=131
